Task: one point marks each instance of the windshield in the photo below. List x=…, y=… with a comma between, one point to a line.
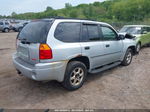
x=35, y=32
x=131, y=30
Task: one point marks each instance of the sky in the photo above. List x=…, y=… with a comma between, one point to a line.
x=23, y=6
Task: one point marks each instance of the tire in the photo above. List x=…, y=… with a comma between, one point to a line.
x=75, y=75
x=128, y=57
x=19, y=29
x=6, y=30
x=148, y=45
x=138, y=47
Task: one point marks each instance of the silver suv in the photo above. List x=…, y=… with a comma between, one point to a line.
x=5, y=26
x=66, y=50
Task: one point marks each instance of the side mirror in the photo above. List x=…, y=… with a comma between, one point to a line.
x=121, y=37
x=129, y=36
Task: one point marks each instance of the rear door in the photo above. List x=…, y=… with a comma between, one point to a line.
x=92, y=45
x=30, y=38
x=112, y=46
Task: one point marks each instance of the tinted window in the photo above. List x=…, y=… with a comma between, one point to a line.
x=148, y=29
x=68, y=32
x=6, y=23
x=108, y=33
x=145, y=29
x=93, y=32
x=90, y=32
x=35, y=32
x=84, y=33
x=1, y=23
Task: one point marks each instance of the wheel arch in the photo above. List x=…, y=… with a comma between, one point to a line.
x=133, y=48
x=83, y=59
x=139, y=42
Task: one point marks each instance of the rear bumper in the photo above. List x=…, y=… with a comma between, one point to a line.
x=41, y=71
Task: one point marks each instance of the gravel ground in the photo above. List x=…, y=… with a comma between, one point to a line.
x=118, y=88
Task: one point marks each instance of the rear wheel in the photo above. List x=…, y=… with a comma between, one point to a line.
x=75, y=75
x=6, y=30
x=138, y=47
x=128, y=57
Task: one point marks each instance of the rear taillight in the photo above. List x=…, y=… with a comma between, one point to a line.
x=45, y=52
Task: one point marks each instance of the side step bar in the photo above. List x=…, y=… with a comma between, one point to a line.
x=106, y=67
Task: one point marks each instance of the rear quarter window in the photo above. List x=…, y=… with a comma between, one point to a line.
x=35, y=32
x=68, y=32
x=1, y=23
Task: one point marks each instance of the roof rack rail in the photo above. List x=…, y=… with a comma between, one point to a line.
x=60, y=17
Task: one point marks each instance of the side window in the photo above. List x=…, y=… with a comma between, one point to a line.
x=144, y=29
x=84, y=33
x=1, y=23
x=93, y=32
x=148, y=29
x=90, y=32
x=6, y=23
x=108, y=33
x=68, y=32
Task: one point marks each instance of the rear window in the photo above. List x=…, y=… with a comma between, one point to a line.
x=68, y=32
x=35, y=32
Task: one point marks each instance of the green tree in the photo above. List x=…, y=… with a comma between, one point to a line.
x=13, y=14
x=68, y=6
x=49, y=8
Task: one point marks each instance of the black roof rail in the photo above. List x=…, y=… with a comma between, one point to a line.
x=60, y=17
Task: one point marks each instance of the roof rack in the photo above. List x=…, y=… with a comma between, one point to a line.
x=60, y=17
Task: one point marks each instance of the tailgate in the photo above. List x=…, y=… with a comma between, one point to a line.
x=28, y=52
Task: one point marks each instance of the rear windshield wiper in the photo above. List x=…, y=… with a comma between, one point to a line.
x=24, y=41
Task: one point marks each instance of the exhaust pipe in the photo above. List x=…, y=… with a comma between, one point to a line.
x=19, y=73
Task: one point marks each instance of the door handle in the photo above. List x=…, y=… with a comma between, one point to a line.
x=107, y=45
x=87, y=48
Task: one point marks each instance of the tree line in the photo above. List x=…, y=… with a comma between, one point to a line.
x=109, y=10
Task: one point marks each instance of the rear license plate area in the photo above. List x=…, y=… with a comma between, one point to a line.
x=23, y=52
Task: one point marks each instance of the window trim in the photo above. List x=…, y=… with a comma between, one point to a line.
x=68, y=22
x=99, y=32
x=112, y=30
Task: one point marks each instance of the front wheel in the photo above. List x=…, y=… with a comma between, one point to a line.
x=75, y=75
x=138, y=47
x=128, y=57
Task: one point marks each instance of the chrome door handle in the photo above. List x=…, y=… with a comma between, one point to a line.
x=107, y=45
x=87, y=48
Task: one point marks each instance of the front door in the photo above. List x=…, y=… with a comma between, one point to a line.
x=92, y=45
x=112, y=46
